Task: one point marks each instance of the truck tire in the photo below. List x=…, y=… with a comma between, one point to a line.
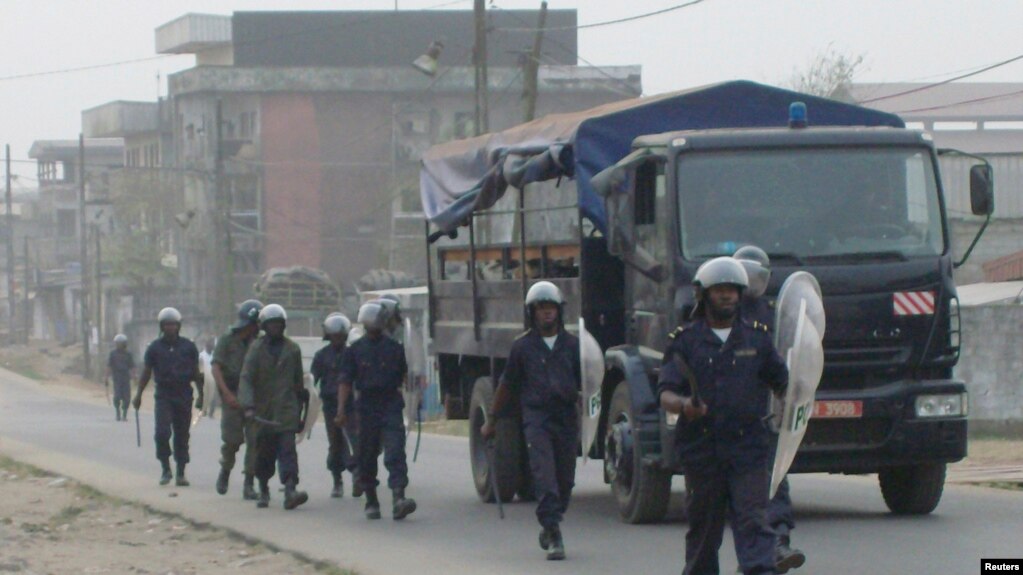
x=912, y=489
x=507, y=447
x=642, y=492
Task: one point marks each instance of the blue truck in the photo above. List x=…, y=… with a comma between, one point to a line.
x=619, y=205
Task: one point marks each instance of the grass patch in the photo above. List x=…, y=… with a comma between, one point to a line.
x=22, y=469
x=67, y=515
x=1010, y=485
x=24, y=366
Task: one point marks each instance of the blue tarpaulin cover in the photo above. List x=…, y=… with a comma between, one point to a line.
x=461, y=176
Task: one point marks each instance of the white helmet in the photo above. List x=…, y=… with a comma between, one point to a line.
x=544, y=291
x=120, y=338
x=371, y=315
x=272, y=312
x=336, y=323
x=758, y=269
x=168, y=315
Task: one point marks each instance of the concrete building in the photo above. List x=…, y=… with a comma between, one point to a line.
x=322, y=120
x=980, y=118
x=56, y=253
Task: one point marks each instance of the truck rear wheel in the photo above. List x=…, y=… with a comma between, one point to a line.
x=507, y=447
x=642, y=492
x=912, y=489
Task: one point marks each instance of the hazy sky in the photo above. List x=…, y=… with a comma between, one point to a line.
x=762, y=40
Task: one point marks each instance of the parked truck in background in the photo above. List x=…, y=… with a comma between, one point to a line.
x=620, y=204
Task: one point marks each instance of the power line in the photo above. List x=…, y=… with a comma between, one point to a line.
x=963, y=102
x=943, y=82
x=609, y=22
x=382, y=14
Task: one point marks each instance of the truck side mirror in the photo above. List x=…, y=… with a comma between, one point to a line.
x=982, y=194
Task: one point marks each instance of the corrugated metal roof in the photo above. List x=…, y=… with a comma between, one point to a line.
x=948, y=102
x=990, y=293
x=1008, y=169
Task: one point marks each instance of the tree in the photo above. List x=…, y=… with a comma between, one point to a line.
x=829, y=74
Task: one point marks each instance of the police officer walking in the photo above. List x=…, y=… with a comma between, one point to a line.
x=121, y=367
x=325, y=369
x=374, y=366
x=756, y=308
x=272, y=394
x=716, y=373
x=173, y=361
x=226, y=367
x=543, y=374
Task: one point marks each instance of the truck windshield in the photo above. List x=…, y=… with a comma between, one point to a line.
x=813, y=205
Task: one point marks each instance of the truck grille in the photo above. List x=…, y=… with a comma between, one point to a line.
x=847, y=432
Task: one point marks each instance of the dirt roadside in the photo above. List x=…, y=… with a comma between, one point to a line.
x=50, y=524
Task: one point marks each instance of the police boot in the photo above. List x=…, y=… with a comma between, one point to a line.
x=222, y=480
x=248, y=493
x=372, y=504
x=166, y=477
x=402, y=506
x=338, y=491
x=785, y=557
x=555, y=544
x=356, y=486
x=180, y=479
x=264, y=495
x=293, y=498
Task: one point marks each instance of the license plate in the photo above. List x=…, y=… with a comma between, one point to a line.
x=837, y=409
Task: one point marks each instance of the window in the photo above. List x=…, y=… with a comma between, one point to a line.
x=67, y=223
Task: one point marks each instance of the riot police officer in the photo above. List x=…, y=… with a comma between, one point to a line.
x=716, y=373
x=374, y=366
x=543, y=374
x=272, y=394
x=325, y=369
x=120, y=367
x=226, y=367
x=755, y=307
x=174, y=362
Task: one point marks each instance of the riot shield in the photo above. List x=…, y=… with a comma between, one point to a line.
x=312, y=411
x=591, y=359
x=798, y=336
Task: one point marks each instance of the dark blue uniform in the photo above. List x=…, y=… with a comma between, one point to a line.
x=121, y=362
x=779, y=510
x=376, y=369
x=546, y=382
x=725, y=454
x=174, y=366
x=325, y=369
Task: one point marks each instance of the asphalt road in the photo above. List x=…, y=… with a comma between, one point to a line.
x=842, y=522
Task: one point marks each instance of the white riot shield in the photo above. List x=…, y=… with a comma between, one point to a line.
x=416, y=360
x=591, y=359
x=313, y=412
x=798, y=336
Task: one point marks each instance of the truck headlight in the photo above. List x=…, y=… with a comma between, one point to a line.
x=945, y=405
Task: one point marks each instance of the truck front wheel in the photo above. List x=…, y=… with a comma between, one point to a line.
x=507, y=450
x=912, y=489
x=642, y=492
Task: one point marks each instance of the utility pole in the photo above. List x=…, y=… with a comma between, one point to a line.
x=532, y=67
x=99, y=290
x=12, y=307
x=83, y=239
x=225, y=301
x=27, y=304
x=480, y=60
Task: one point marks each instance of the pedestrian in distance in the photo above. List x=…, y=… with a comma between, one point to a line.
x=716, y=374
x=226, y=367
x=205, y=368
x=273, y=396
x=755, y=307
x=120, y=368
x=374, y=367
x=173, y=361
x=543, y=375
x=325, y=369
